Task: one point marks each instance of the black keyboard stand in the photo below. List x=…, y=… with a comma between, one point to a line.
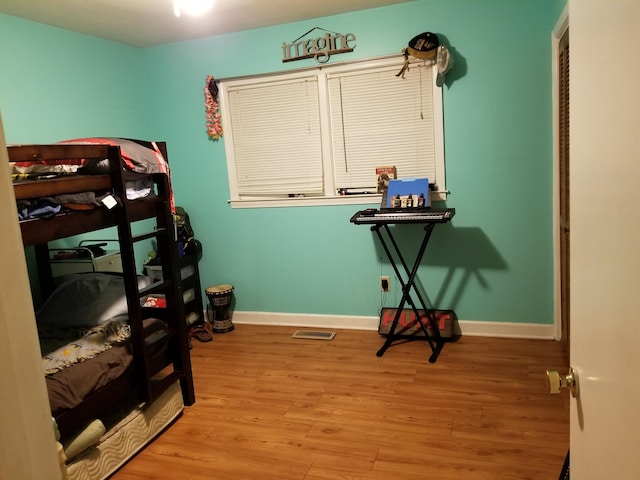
x=436, y=342
x=380, y=221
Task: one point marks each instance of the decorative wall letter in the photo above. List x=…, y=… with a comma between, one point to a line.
x=319, y=48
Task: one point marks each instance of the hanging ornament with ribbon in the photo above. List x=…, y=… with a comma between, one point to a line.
x=214, y=126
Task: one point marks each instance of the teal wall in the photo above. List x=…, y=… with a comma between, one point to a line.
x=494, y=262
x=57, y=84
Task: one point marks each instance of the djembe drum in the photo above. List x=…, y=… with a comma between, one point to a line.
x=219, y=297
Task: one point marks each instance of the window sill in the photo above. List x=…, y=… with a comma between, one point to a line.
x=320, y=201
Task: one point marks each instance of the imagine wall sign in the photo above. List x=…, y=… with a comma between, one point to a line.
x=321, y=48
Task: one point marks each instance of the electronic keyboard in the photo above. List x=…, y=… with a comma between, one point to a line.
x=372, y=216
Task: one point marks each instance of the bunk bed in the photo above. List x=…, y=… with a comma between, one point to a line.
x=141, y=375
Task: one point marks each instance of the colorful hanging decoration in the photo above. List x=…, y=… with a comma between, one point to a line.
x=214, y=127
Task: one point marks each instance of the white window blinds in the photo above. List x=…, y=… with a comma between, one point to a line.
x=314, y=132
x=276, y=137
x=379, y=119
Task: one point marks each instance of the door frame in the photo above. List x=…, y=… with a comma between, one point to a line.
x=559, y=30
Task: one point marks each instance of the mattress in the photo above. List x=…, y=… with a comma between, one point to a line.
x=127, y=437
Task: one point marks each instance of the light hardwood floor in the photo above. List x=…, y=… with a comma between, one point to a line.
x=271, y=407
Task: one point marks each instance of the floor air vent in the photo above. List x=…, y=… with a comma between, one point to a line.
x=313, y=335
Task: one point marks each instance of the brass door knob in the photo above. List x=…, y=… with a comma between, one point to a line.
x=557, y=382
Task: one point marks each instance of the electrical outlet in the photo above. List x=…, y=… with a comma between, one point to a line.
x=385, y=285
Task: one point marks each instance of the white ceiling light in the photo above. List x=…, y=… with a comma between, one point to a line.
x=193, y=8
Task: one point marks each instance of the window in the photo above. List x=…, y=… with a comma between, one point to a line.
x=304, y=136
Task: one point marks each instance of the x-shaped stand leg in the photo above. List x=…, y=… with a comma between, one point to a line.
x=435, y=340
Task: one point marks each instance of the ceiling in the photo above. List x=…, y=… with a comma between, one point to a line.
x=144, y=23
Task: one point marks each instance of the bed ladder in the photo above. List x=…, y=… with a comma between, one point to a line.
x=154, y=379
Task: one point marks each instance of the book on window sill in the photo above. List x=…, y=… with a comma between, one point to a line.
x=383, y=175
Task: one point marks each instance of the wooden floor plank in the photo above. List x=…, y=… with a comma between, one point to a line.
x=272, y=407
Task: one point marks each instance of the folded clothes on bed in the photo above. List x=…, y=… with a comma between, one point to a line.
x=28, y=209
x=45, y=207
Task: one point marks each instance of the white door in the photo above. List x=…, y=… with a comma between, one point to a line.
x=605, y=238
x=27, y=442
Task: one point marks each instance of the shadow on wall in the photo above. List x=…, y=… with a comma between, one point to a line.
x=456, y=248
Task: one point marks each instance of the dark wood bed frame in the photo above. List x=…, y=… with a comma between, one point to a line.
x=151, y=374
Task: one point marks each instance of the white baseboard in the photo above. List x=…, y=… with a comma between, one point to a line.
x=352, y=322
x=306, y=320
x=507, y=329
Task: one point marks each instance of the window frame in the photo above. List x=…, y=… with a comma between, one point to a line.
x=321, y=73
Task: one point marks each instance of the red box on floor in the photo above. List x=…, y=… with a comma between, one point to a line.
x=408, y=325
